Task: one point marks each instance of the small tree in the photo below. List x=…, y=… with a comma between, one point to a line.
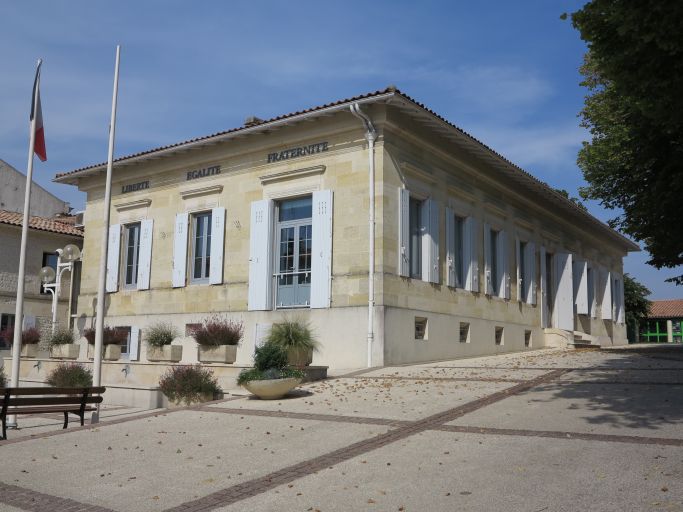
x=636, y=303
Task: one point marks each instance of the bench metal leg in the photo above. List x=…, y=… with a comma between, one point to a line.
x=66, y=419
x=4, y=430
x=82, y=419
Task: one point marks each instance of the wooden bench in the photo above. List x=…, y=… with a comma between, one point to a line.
x=45, y=400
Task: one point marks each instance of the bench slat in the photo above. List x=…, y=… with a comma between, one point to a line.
x=54, y=400
x=50, y=391
x=46, y=410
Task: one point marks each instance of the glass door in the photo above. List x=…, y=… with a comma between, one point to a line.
x=294, y=249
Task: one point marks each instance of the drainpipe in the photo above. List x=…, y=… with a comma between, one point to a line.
x=371, y=136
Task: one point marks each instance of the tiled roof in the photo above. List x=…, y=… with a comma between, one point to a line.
x=218, y=134
x=666, y=309
x=381, y=95
x=61, y=225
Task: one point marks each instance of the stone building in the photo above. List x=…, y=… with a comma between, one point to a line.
x=13, y=187
x=472, y=254
x=46, y=235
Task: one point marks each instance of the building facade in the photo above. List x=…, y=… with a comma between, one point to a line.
x=12, y=190
x=664, y=324
x=472, y=255
x=46, y=235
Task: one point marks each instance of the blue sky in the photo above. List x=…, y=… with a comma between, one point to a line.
x=506, y=72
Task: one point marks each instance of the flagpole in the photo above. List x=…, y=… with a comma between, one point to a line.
x=19, y=310
x=99, y=320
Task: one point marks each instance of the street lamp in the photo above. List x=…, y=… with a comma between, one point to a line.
x=52, y=279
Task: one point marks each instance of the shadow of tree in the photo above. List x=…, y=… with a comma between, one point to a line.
x=643, y=390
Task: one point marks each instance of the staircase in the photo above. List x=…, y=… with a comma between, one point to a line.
x=584, y=341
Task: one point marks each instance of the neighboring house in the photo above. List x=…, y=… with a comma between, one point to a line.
x=45, y=235
x=473, y=254
x=664, y=323
x=12, y=190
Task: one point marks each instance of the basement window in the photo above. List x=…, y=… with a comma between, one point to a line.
x=499, y=335
x=527, y=338
x=464, y=332
x=420, y=328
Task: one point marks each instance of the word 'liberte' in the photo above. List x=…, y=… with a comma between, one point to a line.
x=297, y=152
x=201, y=173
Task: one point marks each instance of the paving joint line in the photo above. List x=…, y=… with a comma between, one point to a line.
x=116, y=421
x=256, y=486
x=555, y=434
x=455, y=379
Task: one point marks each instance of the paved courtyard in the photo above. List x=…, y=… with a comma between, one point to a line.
x=549, y=430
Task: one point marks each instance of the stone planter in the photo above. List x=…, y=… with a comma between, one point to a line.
x=67, y=351
x=174, y=404
x=111, y=352
x=28, y=350
x=299, y=356
x=172, y=353
x=220, y=354
x=272, y=389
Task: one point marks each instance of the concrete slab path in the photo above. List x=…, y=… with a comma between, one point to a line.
x=549, y=430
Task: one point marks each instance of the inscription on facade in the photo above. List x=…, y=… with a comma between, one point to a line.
x=134, y=187
x=202, y=173
x=287, y=154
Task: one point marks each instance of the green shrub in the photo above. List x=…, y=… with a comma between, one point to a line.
x=30, y=336
x=160, y=334
x=188, y=383
x=61, y=336
x=217, y=330
x=70, y=375
x=3, y=379
x=270, y=362
x=273, y=373
x=294, y=334
x=270, y=355
x=110, y=336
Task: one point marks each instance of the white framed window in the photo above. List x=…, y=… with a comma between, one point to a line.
x=525, y=252
x=290, y=252
x=200, y=256
x=203, y=233
x=418, y=237
x=456, y=244
x=131, y=254
x=130, y=247
x=495, y=256
x=130, y=348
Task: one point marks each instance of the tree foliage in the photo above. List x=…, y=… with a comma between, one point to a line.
x=634, y=110
x=635, y=301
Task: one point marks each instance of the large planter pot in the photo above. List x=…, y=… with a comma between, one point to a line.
x=111, y=352
x=173, y=353
x=299, y=356
x=272, y=389
x=28, y=350
x=220, y=354
x=67, y=351
x=174, y=404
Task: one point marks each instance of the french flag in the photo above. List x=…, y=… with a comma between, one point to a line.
x=37, y=114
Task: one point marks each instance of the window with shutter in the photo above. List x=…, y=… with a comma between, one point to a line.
x=113, y=251
x=260, y=256
x=145, y=254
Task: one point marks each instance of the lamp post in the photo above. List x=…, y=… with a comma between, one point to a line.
x=52, y=280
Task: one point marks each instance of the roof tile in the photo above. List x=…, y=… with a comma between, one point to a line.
x=666, y=309
x=61, y=225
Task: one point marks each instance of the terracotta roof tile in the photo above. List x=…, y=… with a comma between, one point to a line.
x=62, y=225
x=667, y=309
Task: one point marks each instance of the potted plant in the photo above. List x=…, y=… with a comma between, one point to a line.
x=29, y=340
x=61, y=344
x=218, y=338
x=112, y=339
x=296, y=338
x=270, y=378
x=70, y=375
x=159, y=338
x=186, y=385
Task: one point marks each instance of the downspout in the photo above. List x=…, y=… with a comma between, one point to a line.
x=371, y=136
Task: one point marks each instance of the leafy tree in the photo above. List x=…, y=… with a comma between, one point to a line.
x=634, y=110
x=635, y=301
